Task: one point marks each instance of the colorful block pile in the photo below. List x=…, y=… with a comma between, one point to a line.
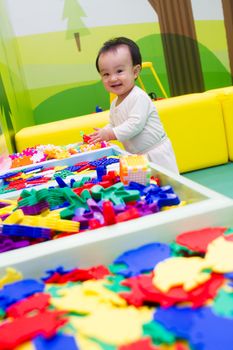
x=74, y=206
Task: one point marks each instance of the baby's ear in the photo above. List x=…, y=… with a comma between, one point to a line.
x=137, y=70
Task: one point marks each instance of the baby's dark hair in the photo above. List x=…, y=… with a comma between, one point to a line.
x=112, y=44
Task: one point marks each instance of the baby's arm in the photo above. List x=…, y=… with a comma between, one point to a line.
x=104, y=134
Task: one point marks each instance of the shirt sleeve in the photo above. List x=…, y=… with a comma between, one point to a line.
x=138, y=112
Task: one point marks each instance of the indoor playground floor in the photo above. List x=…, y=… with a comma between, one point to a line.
x=218, y=178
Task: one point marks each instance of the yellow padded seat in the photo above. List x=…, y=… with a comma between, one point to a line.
x=225, y=96
x=195, y=126
x=62, y=132
x=223, y=90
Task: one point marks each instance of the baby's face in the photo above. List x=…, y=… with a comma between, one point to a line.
x=117, y=71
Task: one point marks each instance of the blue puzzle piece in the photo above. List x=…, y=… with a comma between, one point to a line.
x=200, y=327
x=211, y=331
x=229, y=275
x=58, y=342
x=14, y=292
x=143, y=259
x=50, y=273
x=178, y=320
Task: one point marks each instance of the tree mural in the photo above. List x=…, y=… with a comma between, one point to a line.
x=73, y=12
x=180, y=45
x=5, y=111
x=228, y=21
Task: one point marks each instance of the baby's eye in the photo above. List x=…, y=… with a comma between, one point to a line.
x=119, y=70
x=105, y=75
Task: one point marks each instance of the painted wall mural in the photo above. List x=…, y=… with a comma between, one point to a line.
x=76, y=28
x=189, y=43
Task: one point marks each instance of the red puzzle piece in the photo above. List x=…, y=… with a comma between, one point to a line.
x=24, y=328
x=198, y=240
x=142, y=344
x=143, y=291
x=39, y=301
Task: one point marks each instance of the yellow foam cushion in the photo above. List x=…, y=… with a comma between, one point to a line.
x=225, y=96
x=227, y=106
x=223, y=90
x=195, y=126
x=61, y=132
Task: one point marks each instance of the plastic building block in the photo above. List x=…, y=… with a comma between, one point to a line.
x=52, y=223
x=26, y=231
x=109, y=213
x=101, y=170
x=131, y=213
x=135, y=168
x=116, y=193
x=7, y=244
x=61, y=182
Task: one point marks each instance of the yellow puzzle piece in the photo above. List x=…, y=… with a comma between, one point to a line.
x=11, y=276
x=219, y=255
x=180, y=271
x=114, y=326
x=86, y=297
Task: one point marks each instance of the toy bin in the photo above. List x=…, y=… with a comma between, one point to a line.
x=203, y=208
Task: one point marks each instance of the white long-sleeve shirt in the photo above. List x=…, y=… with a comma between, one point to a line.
x=136, y=122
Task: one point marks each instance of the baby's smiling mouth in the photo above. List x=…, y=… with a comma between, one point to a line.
x=116, y=85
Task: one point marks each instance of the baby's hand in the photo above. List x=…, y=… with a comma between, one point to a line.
x=101, y=135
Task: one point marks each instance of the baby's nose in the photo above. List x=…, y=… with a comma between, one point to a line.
x=113, y=77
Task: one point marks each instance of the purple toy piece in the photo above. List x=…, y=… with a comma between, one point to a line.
x=35, y=209
x=7, y=244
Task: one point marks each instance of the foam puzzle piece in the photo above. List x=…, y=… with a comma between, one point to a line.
x=198, y=240
x=114, y=326
x=177, y=271
x=143, y=259
x=143, y=292
x=86, y=298
x=58, y=342
x=14, y=292
x=158, y=333
x=11, y=275
x=142, y=344
x=195, y=325
x=36, y=302
x=223, y=303
x=178, y=320
x=26, y=328
x=219, y=256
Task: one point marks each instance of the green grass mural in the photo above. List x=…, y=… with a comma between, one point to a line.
x=80, y=100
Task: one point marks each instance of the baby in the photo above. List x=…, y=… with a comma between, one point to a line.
x=134, y=120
